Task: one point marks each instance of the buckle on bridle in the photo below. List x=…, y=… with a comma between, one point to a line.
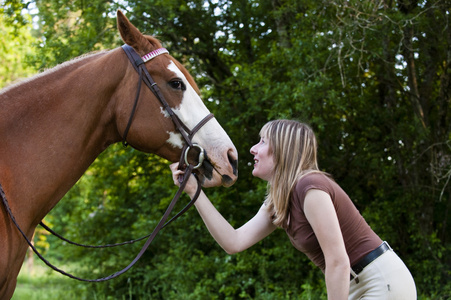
x=201, y=155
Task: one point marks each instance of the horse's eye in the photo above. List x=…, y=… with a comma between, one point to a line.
x=177, y=84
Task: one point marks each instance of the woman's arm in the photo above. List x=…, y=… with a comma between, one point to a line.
x=230, y=239
x=320, y=212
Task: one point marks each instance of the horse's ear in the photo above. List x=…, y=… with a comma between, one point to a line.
x=131, y=35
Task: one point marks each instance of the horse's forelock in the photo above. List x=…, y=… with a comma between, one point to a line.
x=154, y=42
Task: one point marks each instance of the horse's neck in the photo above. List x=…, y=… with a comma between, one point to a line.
x=52, y=127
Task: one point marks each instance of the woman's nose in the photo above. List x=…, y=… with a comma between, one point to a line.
x=253, y=148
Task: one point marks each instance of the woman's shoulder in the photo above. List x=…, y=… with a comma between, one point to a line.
x=314, y=178
x=311, y=180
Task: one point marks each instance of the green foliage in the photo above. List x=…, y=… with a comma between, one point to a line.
x=371, y=77
x=14, y=49
x=68, y=29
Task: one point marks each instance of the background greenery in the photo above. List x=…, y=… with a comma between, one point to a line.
x=372, y=77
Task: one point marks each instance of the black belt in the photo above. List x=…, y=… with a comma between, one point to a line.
x=369, y=258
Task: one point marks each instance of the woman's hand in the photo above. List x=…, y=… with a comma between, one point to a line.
x=191, y=186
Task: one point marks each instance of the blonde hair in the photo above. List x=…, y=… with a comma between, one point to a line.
x=293, y=146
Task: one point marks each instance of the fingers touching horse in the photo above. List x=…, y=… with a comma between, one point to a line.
x=54, y=125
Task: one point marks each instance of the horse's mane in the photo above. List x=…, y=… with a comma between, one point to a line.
x=51, y=70
x=154, y=41
x=75, y=60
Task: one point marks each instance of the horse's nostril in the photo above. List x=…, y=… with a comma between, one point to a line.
x=231, y=155
x=227, y=181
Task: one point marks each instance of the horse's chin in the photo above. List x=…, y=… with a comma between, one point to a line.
x=215, y=180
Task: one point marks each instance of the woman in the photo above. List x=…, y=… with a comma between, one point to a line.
x=318, y=216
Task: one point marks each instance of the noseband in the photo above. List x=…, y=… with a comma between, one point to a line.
x=187, y=134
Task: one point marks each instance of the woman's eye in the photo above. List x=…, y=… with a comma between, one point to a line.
x=177, y=84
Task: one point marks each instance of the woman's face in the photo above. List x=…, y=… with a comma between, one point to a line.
x=263, y=160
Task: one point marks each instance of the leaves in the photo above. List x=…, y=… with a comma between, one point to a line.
x=15, y=49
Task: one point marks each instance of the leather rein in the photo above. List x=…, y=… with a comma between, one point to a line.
x=187, y=134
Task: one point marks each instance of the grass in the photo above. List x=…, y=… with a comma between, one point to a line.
x=42, y=283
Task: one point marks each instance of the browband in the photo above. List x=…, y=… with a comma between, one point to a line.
x=153, y=54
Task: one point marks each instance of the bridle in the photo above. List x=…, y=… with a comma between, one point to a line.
x=187, y=134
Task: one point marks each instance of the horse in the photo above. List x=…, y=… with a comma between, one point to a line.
x=55, y=124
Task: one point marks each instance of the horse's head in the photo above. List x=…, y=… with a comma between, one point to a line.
x=153, y=130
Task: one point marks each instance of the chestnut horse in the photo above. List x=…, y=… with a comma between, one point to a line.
x=54, y=125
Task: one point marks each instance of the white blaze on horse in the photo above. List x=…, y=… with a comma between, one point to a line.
x=54, y=125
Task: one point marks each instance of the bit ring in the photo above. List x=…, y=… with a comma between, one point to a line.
x=201, y=155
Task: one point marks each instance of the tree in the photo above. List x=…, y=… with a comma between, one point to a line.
x=15, y=49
